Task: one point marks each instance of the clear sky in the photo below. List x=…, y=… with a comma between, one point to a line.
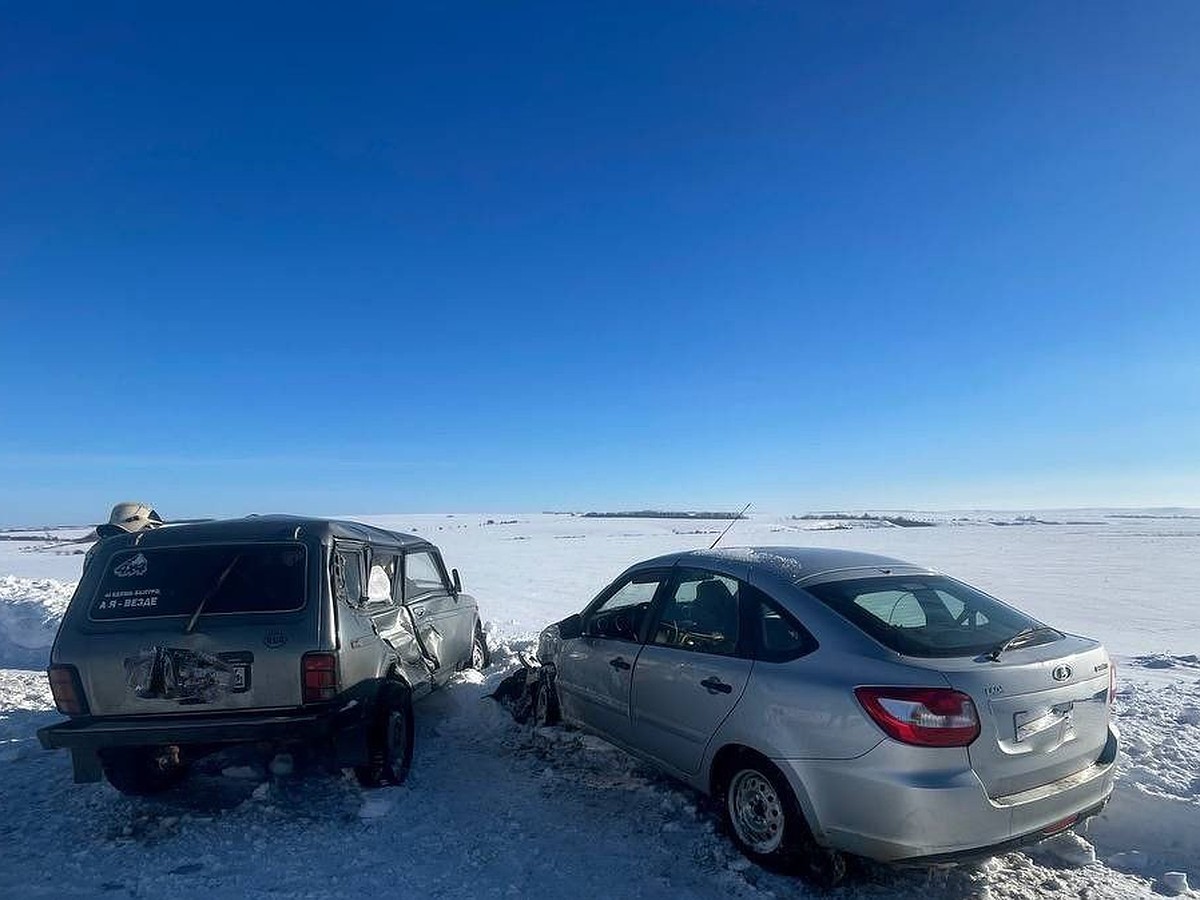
x=451, y=256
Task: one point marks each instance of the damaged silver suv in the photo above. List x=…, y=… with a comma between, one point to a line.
x=275, y=629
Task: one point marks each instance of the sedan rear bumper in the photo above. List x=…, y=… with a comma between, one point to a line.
x=893, y=806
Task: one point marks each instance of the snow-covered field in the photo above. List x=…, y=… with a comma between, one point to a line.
x=495, y=809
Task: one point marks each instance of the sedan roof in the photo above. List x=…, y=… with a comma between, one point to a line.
x=794, y=564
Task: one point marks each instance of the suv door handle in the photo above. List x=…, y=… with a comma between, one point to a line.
x=716, y=686
x=619, y=663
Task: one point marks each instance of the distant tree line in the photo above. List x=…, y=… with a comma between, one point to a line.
x=662, y=514
x=898, y=521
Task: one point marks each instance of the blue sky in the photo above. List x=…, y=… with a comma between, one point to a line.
x=460, y=256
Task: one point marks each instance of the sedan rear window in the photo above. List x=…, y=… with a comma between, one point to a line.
x=226, y=578
x=926, y=616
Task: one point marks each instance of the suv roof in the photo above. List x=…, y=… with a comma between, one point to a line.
x=265, y=528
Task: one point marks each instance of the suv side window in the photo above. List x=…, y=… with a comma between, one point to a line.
x=382, y=578
x=422, y=574
x=346, y=576
x=779, y=637
x=701, y=614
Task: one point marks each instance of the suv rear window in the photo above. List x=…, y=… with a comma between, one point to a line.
x=227, y=578
x=925, y=616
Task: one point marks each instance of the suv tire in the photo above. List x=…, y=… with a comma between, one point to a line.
x=141, y=771
x=481, y=656
x=389, y=740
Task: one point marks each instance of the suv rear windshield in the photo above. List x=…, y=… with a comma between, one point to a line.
x=926, y=615
x=226, y=578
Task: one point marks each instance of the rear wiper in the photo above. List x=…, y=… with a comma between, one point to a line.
x=1021, y=637
x=204, y=600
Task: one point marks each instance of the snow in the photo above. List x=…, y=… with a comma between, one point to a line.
x=30, y=609
x=492, y=808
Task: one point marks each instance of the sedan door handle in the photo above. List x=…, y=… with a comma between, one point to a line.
x=716, y=686
x=619, y=663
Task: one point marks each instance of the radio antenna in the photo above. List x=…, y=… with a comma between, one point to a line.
x=727, y=527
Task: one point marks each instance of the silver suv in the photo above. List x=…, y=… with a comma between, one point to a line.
x=186, y=639
x=837, y=701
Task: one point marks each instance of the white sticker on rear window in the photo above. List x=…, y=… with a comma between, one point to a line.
x=143, y=598
x=133, y=567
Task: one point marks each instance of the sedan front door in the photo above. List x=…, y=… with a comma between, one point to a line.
x=594, y=670
x=692, y=671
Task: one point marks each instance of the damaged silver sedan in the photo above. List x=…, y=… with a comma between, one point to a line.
x=293, y=632
x=838, y=702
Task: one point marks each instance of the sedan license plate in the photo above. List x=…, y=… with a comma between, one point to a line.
x=1057, y=718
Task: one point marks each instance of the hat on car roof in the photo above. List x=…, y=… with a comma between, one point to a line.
x=127, y=518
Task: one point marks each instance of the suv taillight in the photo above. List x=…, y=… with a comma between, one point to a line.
x=318, y=676
x=925, y=717
x=1112, y=682
x=67, y=690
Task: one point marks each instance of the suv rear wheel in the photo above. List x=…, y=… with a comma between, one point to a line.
x=389, y=741
x=141, y=771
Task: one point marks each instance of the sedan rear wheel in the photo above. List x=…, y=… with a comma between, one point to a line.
x=756, y=812
x=766, y=823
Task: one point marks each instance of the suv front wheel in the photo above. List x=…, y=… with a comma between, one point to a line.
x=481, y=657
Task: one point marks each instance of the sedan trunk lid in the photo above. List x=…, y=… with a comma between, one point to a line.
x=1044, y=711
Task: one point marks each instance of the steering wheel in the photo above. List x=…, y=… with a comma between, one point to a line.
x=622, y=624
x=674, y=638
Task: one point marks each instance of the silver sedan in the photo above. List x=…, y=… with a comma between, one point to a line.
x=838, y=702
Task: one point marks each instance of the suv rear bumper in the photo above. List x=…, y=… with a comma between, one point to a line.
x=85, y=737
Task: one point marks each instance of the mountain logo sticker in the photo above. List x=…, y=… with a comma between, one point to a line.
x=132, y=567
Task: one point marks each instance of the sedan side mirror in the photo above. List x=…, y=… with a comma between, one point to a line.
x=456, y=581
x=571, y=627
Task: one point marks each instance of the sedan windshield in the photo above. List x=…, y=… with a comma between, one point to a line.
x=928, y=615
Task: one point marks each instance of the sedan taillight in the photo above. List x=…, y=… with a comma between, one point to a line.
x=319, y=677
x=924, y=717
x=67, y=690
